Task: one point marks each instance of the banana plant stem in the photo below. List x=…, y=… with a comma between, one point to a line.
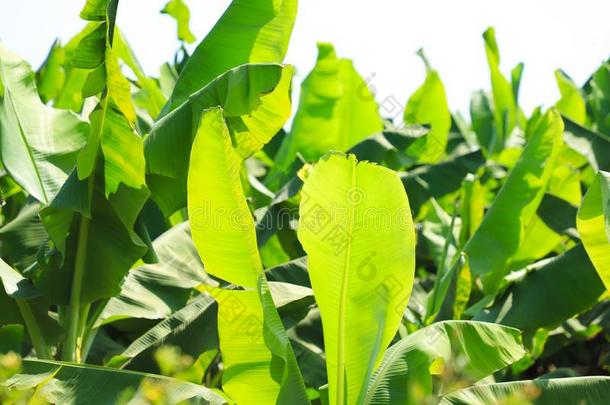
x=40, y=346
x=69, y=352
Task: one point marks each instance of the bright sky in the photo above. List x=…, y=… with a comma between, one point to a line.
x=381, y=37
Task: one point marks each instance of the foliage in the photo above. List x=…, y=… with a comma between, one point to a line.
x=165, y=239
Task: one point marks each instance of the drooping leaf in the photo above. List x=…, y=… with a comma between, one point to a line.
x=38, y=144
x=68, y=383
x=404, y=376
x=575, y=390
x=515, y=205
x=336, y=111
x=199, y=314
x=219, y=216
x=438, y=180
x=154, y=291
x=394, y=148
x=593, y=223
x=567, y=283
x=356, y=227
x=256, y=102
x=249, y=31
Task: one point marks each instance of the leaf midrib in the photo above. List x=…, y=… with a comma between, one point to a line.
x=343, y=296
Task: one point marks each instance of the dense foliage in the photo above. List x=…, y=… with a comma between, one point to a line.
x=165, y=240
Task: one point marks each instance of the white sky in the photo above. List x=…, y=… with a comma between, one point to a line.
x=380, y=36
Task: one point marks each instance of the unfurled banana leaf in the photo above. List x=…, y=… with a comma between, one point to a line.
x=336, y=111
x=223, y=231
x=593, y=223
x=74, y=384
x=540, y=239
x=405, y=374
x=514, y=208
x=575, y=390
x=428, y=105
x=356, y=227
x=256, y=104
x=250, y=31
x=38, y=144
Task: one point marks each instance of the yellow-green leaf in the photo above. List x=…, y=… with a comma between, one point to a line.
x=357, y=230
x=593, y=223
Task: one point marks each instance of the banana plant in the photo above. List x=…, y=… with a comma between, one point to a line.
x=169, y=240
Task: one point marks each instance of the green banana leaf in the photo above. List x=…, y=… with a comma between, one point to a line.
x=155, y=291
x=224, y=234
x=439, y=180
x=106, y=191
x=482, y=122
x=249, y=31
x=22, y=237
x=572, y=103
x=568, y=283
x=22, y=303
x=405, y=374
x=196, y=317
x=336, y=111
x=428, y=105
x=505, y=110
x=592, y=145
x=593, y=224
x=68, y=383
x=598, y=99
x=574, y=390
x=514, y=207
x=256, y=102
x=150, y=96
x=361, y=269
x=38, y=144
